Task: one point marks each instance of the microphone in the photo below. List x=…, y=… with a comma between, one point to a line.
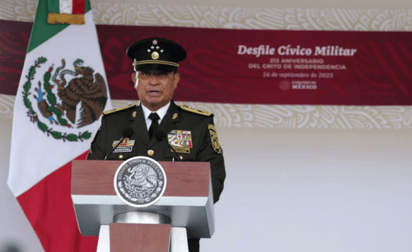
x=160, y=135
x=128, y=132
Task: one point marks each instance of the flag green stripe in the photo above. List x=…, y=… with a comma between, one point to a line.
x=53, y=6
x=42, y=31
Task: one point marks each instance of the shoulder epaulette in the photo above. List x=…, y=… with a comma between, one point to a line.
x=196, y=111
x=119, y=109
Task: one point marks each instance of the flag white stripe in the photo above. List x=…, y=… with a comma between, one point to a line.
x=66, y=6
x=34, y=155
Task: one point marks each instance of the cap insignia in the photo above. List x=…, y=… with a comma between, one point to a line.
x=154, y=41
x=155, y=55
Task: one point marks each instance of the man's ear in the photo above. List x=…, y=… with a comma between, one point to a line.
x=176, y=80
x=134, y=77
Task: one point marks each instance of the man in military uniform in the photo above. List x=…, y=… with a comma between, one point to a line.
x=158, y=128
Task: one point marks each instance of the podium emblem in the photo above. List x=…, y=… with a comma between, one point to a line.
x=140, y=181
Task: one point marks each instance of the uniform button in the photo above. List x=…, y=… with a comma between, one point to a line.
x=120, y=156
x=180, y=157
x=150, y=152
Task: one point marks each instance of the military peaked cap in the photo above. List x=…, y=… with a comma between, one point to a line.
x=156, y=54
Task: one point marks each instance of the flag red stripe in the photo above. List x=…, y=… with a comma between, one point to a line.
x=49, y=208
x=78, y=6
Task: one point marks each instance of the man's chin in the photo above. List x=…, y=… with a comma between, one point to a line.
x=154, y=105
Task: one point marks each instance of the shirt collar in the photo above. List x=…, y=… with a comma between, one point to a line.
x=160, y=112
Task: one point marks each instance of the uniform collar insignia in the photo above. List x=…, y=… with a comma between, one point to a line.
x=174, y=112
x=133, y=116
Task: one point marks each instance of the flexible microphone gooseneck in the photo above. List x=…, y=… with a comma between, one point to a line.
x=128, y=132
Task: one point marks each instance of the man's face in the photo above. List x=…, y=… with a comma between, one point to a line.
x=155, y=88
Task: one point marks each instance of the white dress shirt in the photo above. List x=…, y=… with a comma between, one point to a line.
x=161, y=113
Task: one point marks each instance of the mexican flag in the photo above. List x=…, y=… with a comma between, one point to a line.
x=61, y=96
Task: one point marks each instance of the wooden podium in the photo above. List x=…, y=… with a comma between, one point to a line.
x=184, y=211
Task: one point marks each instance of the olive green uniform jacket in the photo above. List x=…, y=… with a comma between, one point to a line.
x=205, y=145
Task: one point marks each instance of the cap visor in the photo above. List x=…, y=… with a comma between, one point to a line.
x=154, y=67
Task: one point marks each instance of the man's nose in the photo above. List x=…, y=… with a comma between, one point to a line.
x=153, y=79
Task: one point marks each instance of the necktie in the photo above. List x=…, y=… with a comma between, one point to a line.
x=155, y=124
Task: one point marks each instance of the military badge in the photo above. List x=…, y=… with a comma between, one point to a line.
x=180, y=140
x=140, y=181
x=125, y=146
x=214, y=139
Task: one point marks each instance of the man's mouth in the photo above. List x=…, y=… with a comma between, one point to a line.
x=154, y=92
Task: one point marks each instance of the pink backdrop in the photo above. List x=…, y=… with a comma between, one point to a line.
x=252, y=67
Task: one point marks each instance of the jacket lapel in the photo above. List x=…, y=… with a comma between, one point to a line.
x=168, y=122
x=139, y=125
